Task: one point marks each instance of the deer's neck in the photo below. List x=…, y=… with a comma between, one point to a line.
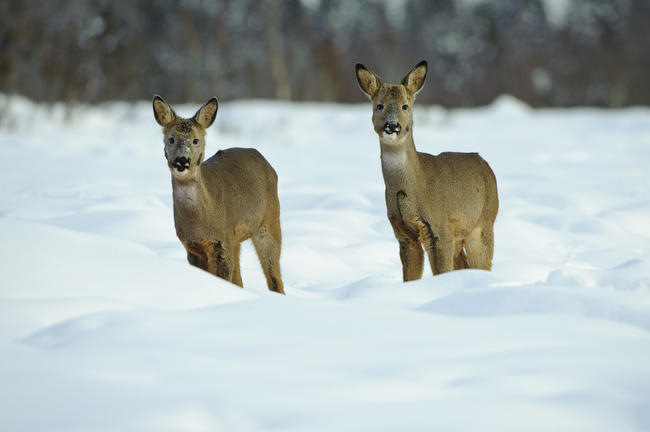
x=189, y=197
x=399, y=164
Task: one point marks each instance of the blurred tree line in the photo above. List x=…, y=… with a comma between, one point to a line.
x=545, y=52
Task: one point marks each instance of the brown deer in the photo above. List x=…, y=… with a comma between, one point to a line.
x=446, y=203
x=222, y=201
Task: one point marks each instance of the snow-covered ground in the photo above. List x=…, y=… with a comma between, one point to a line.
x=105, y=327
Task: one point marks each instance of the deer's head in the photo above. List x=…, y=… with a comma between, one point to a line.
x=184, y=138
x=392, y=104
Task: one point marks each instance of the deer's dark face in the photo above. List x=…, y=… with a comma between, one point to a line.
x=184, y=138
x=392, y=112
x=184, y=147
x=392, y=104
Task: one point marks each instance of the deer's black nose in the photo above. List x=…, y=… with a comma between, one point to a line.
x=392, y=127
x=181, y=163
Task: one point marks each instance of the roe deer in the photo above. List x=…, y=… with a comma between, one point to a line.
x=447, y=203
x=222, y=201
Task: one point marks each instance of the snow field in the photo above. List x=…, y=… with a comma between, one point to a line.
x=104, y=325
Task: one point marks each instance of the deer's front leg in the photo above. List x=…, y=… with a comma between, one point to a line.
x=410, y=252
x=219, y=259
x=196, y=255
x=412, y=257
x=195, y=260
x=439, y=246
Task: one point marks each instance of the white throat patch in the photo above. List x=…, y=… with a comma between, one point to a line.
x=393, y=160
x=188, y=194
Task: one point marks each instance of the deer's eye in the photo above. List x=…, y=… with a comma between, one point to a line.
x=171, y=140
x=195, y=141
x=380, y=107
x=405, y=107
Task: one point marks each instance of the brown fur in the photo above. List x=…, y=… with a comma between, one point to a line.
x=222, y=201
x=446, y=203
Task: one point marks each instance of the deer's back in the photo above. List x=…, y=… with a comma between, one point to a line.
x=240, y=167
x=245, y=183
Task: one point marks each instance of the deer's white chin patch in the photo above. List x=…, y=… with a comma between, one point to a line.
x=178, y=173
x=387, y=138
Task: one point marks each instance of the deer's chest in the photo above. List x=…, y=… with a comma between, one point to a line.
x=188, y=213
x=403, y=211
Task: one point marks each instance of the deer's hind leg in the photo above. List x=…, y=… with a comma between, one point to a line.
x=480, y=248
x=268, y=244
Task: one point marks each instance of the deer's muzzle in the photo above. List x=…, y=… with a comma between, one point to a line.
x=181, y=163
x=392, y=127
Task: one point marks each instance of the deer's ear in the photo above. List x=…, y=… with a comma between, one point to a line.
x=206, y=114
x=414, y=80
x=163, y=113
x=369, y=82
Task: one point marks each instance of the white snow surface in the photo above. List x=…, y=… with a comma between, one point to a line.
x=104, y=326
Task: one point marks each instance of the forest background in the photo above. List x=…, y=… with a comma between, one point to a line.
x=543, y=52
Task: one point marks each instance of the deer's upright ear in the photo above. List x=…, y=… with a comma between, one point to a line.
x=206, y=114
x=414, y=80
x=163, y=113
x=369, y=82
